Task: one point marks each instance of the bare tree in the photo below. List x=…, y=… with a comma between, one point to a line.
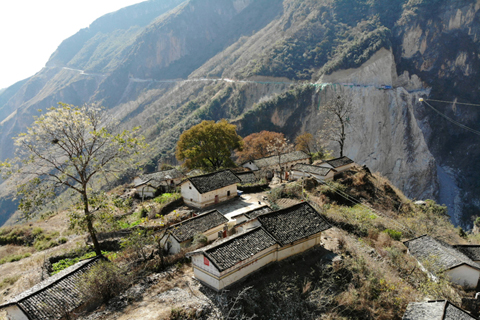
x=337, y=117
x=65, y=149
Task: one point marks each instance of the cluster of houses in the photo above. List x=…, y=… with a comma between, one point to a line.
x=243, y=243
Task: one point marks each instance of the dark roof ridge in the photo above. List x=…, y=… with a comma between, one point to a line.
x=60, y=278
x=276, y=155
x=423, y=235
x=197, y=216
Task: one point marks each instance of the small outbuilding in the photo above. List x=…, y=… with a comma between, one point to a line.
x=301, y=170
x=209, y=189
x=247, y=220
x=443, y=257
x=281, y=234
x=339, y=164
x=150, y=185
x=53, y=298
x=180, y=235
x=436, y=309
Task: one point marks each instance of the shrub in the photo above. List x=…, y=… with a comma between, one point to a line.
x=14, y=257
x=394, y=234
x=104, y=281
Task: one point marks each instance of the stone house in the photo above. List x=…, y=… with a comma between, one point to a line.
x=180, y=235
x=436, y=309
x=209, y=189
x=339, y=164
x=53, y=298
x=281, y=234
x=272, y=164
x=150, y=185
x=301, y=170
x=443, y=257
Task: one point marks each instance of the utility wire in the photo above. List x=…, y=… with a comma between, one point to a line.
x=450, y=119
x=454, y=102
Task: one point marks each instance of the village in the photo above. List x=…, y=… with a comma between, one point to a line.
x=242, y=234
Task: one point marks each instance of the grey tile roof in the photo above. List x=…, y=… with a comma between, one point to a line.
x=293, y=223
x=338, y=162
x=156, y=178
x=214, y=181
x=187, y=229
x=51, y=298
x=284, y=158
x=238, y=248
x=442, y=255
x=308, y=168
x=246, y=177
x=470, y=250
x=435, y=310
x=252, y=214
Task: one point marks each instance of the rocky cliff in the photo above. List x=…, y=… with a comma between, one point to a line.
x=167, y=65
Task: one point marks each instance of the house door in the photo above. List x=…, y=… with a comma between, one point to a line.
x=216, y=198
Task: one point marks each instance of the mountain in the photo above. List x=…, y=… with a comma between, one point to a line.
x=168, y=64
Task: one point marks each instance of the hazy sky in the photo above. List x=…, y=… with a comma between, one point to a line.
x=31, y=30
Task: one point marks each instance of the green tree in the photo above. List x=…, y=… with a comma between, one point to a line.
x=66, y=148
x=209, y=145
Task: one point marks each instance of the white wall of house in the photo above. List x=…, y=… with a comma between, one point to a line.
x=298, y=247
x=250, y=165
x=192, y=197
x=247, y=226
x=146, y=191
x=15, y=313
x=344, y=168
x=218, y=281
x=244, y=268
x=208, y=274
x=464, y=275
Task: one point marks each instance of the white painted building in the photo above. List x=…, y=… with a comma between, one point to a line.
x=281, y=234
x=149, y=185
x=301, y=170
x=442, y=257
x=209, y=189
x=339, y=164
x=180, y=235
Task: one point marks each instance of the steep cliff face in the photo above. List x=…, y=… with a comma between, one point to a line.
x=442, y=47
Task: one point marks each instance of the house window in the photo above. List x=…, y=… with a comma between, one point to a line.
x=228, y=193
x=189, y=187
x=205, y=261
x=191, y=199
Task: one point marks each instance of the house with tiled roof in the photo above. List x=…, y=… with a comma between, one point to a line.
x=339, y=164
x=436, y=309
x=209, y=189
x=180, y=235
x=281, y=234
x=284, y=161
x=246, y=177
x=53, y=298
x=301, y=170
x=442, y=257
x=150, y=185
